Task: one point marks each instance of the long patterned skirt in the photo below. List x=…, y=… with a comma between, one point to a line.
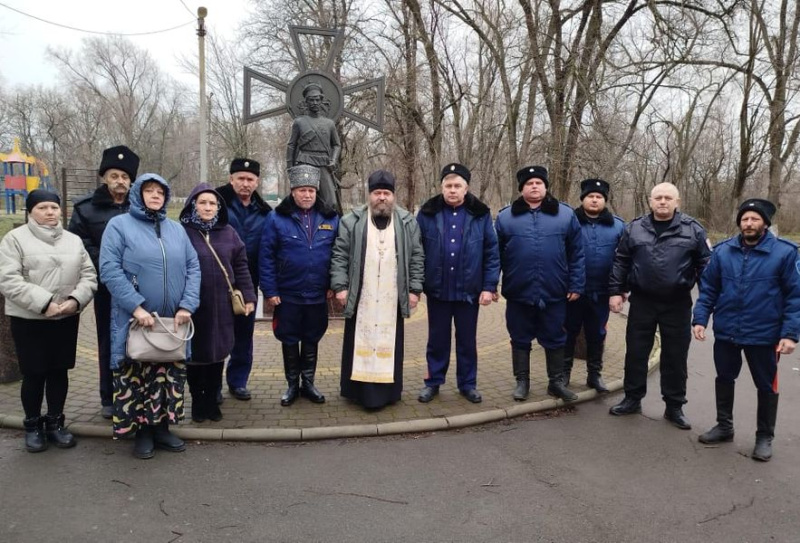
x=146, y=394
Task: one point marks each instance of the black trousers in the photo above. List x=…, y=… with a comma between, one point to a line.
x=102, y=316
x=673, y=320
x=761, y=359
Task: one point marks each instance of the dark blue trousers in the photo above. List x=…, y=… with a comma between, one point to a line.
x=102, y=317
x=295, y=323
x=761, y=359
x=241, y=360
x=528, y=322
x=590, y=313
x=441, y=316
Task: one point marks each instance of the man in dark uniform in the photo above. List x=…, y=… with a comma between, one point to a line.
x=601, y=232
x=247, y=212
x=90, y=215
x=295, y=278
x=462, y=267
x=541, y=255
x=659, y=259
x=752, y=286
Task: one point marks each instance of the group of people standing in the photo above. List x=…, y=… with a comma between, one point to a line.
x=563, y=270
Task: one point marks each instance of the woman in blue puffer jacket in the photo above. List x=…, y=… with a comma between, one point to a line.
x=149, y=266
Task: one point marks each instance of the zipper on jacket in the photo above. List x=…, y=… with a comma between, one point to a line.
x=164, y=261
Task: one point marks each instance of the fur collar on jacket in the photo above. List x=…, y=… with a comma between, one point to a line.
x=474, y=206
x=549, y=206
x=287, y=207
x=228, y=194
x=605, y=218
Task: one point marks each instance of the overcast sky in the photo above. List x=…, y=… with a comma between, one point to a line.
x=23, y=39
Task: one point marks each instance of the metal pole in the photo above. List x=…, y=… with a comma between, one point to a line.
x=201, y=34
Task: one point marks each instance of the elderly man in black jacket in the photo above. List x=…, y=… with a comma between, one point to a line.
x=659, y=259
x=89, y=218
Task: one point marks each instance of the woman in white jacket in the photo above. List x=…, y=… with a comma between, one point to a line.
x=47, y=278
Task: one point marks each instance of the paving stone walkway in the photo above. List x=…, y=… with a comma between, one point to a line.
x=263, y=418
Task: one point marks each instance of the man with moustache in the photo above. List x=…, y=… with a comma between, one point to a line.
x=118, y=166
x=541, y=255
x=462, y=268
x=295, y=278
x=601, y=232
x=752, y=287
x=247, y=212
x=377, y=271
x=659, y=259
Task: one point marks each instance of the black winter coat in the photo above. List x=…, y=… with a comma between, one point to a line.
x=90, y=217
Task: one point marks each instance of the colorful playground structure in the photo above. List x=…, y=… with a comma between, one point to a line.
x=21, y=174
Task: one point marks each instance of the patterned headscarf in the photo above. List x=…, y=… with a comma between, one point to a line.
x=194, y=220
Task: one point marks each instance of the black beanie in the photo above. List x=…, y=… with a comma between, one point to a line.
x=37, y=196
x=381, y=179
x=765, y=208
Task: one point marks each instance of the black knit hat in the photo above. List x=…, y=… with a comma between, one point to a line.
x=37, y=196
x=529, y=172
x=245, y=165
x=589, y=186
x=381, y=179
x=765, y=208
x=121, y=158
x=457, y=169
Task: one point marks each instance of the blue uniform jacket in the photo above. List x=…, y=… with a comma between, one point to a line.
x=480, y=259
x=754, y=295
x=146, y=260
x=541, y=252
x=248, y=224
x=600, y=240
x=291, y=266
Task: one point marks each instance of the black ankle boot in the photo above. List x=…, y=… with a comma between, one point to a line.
x=594, y=365
x=166, y=440
x=199, y=406
x=308, y=363
x=56, y=433
x=35, y=440
x=291, y=368
x=555, y=375
x=521, y=363
x=143, y=446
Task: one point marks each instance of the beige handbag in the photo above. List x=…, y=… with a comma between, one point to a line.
x=237, y=298
x=158, y=343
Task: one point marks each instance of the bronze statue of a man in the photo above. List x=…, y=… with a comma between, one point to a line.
x=314, y=141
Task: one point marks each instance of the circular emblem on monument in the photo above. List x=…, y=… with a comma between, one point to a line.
x=332, y=105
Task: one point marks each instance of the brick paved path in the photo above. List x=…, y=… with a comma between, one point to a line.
x=264, y=418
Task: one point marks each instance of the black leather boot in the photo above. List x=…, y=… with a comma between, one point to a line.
x=594, y=365
x=56, y=433
x=35, y=440
x=198, y=392
x=308, y=361
x=521, y=362
x=291, y=368
x=166, y=440
x=765, y=425
x=555, y=375
x=569, y=359
x=723, y=431
x=143, y=446
x=213, y=382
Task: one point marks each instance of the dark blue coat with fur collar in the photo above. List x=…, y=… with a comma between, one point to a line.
x=480, y=259
x=541, y=252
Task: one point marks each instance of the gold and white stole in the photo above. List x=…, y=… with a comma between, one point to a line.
x=376, y=317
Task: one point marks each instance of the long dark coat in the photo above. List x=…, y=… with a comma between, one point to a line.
x=213, y=320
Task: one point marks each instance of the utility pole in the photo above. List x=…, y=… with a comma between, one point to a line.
x=201, y=38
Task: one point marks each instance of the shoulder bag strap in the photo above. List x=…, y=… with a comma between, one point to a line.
x=213, y=252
